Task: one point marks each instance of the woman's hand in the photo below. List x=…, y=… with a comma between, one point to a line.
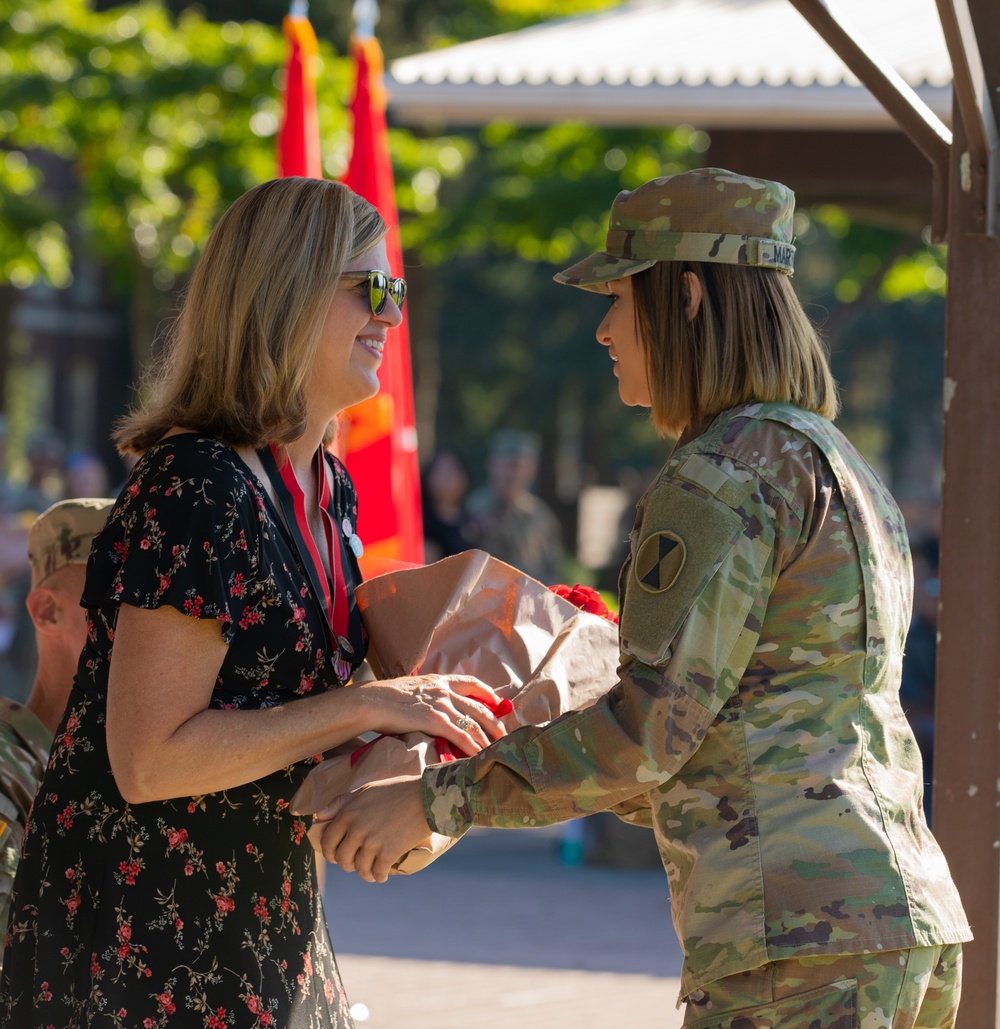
x=370, y=829
x=439, y=705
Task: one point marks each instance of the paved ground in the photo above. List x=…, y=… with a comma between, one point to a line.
x=500, y=934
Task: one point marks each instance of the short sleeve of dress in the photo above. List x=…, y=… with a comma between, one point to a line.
x=185, y=531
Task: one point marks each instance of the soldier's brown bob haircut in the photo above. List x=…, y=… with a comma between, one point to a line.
x=243, y=344
x=749, y=341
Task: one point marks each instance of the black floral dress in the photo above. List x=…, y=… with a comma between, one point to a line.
x=202, y=911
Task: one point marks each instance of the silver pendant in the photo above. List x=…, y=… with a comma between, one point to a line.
x=356, y=545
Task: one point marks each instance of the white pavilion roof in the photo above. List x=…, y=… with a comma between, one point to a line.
x=710, y=63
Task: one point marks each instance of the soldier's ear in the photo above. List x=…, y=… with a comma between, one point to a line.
x=45, y=610
x=691, y=286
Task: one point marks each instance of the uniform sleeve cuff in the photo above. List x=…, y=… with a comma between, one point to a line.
x=444, y=792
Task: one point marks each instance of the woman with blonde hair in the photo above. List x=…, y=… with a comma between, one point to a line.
x=756, y=726
x=164, y=879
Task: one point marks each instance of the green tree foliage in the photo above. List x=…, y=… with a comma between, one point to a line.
x=163, y=124
x=404, y=26
x=165, y=111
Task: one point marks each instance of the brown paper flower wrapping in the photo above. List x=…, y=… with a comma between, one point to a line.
x=468, y=615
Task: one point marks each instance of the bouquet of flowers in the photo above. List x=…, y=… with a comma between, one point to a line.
x=545, y=651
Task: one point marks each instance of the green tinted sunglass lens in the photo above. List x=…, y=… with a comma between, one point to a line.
x=377, y=292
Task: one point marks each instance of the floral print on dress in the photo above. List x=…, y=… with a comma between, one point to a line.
x=199, y=911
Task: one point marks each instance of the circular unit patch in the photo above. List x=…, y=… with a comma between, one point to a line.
x=659, y=561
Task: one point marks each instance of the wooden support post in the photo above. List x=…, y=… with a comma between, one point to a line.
x=912, y=115
x=966, y=802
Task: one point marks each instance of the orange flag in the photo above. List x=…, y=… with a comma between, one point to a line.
x=380, y=438
x=298, y=139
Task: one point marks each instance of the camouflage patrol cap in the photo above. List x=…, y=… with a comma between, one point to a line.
x=708, y=214
x=62, y=534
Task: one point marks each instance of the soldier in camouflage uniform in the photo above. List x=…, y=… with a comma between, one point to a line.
x=58, y=547
x=508, y=520
x=756, y=726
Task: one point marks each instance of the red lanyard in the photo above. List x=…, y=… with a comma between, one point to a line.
x=293, y=504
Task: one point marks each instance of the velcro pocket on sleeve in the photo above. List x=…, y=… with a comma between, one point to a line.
x=685, y=539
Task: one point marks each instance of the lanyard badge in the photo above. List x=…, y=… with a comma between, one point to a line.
x=332, y=595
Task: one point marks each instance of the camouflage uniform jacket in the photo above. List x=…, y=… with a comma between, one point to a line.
x=24, y=753
x=756, y=726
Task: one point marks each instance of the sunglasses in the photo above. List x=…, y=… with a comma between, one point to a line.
x=380, y=288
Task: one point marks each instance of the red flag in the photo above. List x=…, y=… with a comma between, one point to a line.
x=380, y=444
x=298, y=140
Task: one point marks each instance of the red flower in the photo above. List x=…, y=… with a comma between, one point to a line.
x=176, y=837
x=224, y=904
x=586, y=598
x=130, y=869
x=72, y=903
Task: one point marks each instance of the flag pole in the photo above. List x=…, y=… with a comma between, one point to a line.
x=366, y=15
x=298, y=150
x=379, y=444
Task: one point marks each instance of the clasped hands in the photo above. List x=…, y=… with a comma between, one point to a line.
x=369, y=829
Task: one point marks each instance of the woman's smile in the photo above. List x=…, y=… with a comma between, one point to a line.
x=374, y=345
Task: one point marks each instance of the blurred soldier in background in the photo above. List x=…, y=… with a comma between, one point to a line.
x=58, y=548
x=513, y=524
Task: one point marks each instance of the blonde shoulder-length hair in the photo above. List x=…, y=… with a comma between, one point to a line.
x=749, y=341
x=243, y=343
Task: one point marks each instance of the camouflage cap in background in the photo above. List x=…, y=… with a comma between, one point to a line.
x=708, y=214
x=62, y=534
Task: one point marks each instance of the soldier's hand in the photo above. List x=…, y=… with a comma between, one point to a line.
x=370, y=829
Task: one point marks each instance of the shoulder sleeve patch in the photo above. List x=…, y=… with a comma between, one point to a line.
x=659, y=561
x=683, y=542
